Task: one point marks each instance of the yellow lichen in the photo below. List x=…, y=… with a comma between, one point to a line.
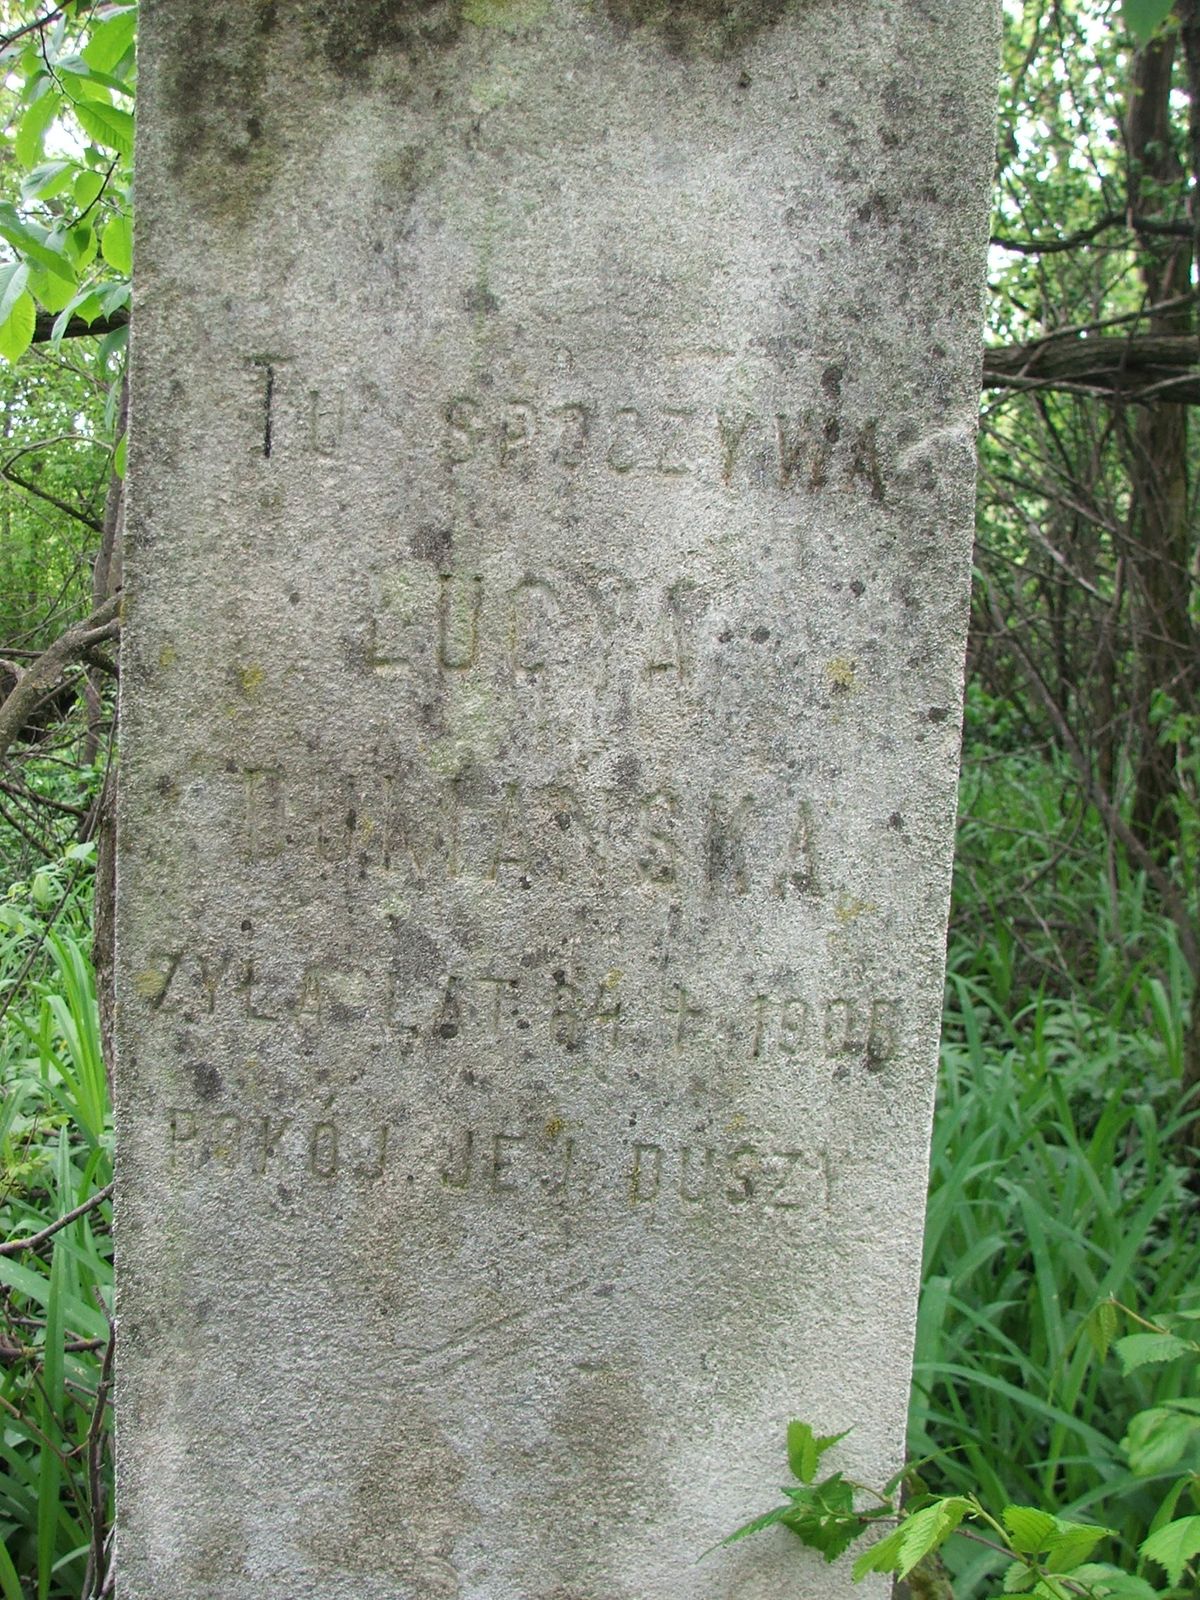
x=842, y=673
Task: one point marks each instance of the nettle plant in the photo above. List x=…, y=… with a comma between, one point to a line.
x=1048, y=1556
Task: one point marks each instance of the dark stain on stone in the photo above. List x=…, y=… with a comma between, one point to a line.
x=895, y=822
x=831, y=382
x=692, y=28
x=206, y=1078
x=402, y=174
x=858, y=588
x=761, y=635
x=629, y=773
x=479, y=301
x=215, y=97
x=431, y=542
x=352, y=32
x=879, y=208
x=937, y=714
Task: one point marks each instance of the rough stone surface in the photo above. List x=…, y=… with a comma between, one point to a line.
x=550, y=522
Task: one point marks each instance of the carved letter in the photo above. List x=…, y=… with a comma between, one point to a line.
x=458, y=621
x=462, y=419
x=181, y=1124
x=732, y=429
x=864, y=463
x=799, y=874
x=516, y=430
x=501, y=1161
x=323, y=1150
x=646, y=1176
x=659, y=852
x=458, y=1174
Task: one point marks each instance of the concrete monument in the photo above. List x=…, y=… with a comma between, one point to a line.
x=550, y=524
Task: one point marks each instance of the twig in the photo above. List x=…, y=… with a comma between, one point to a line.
x=14, y=1247
x=95, y=1453
x=31, y=27
x=1110, y=219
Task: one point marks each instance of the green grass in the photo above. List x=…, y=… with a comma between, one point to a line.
x=1056, y=1178
x=55, y=1297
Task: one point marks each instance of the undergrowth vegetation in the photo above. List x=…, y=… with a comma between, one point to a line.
x=1059, y=1177
x=55, y=1281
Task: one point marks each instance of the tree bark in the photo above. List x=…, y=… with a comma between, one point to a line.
x=1159, y=529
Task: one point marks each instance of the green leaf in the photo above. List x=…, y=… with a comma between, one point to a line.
x=1101, y=1327
x=1174, y=1546
x=33, y=242
x=1028, y=1528
x=1071, y=1543
x=115, y=297
x=85, y=83
x=1019, y=1578
x=116, y=243
x=85, y=305
x=1144, y=1349
x=831, y=1535
x=14, y=276
x=916, y=1537
x=1157, y=1439
x=49, y=179
x=106, y=126
x=882, y=1557
x=10, y=1583
x=120, y=453
x=50, y=290
x=111, y=40
x=112, y=344
x=1142, y=17
x=31, y=130
x=821, y=1516
x=942, y=1519
x=1110, y=1583
x=82, y=245
x=87, y=186
x=769, y=1519
x=805, y=1449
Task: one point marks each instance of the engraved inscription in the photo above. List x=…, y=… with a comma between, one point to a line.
x=421, y=828
x=512, y=1001
x=803, y=448
x=747, y=1174
x=533, y=1162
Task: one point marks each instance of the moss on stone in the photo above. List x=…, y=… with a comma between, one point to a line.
x=353, y=32
x=214, y=89
x=699, y=27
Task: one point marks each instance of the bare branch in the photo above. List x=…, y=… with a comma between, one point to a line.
x=16, y=1247
x=77, y=327
x=1164, y=366
x=1110, y=219
x=46, y=671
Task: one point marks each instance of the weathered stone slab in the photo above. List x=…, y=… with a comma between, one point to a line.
x=550, y=524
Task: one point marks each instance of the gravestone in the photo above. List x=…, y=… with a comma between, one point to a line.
x=550, y=527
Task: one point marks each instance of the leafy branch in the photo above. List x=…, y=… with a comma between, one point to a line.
x=1049, y=1557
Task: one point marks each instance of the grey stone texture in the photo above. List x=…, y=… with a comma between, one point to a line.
x=550, y=525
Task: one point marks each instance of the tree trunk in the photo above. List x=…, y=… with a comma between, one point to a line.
x=1160, y=535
